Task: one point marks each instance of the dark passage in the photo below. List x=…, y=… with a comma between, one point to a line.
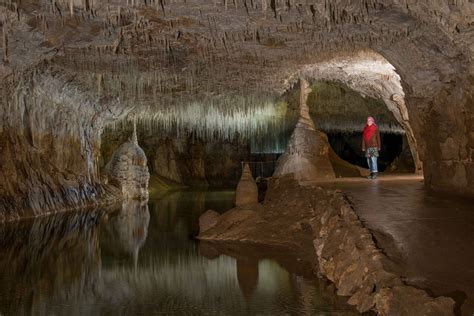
x=394, y=156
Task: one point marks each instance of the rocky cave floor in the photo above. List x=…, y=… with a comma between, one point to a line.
x=317, y=226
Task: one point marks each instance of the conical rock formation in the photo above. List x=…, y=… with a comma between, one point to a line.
x=307, y=154
x=128, y=170
x=247, y=191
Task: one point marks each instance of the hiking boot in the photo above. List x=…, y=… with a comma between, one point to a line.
x=371, y=176
x=374, y=175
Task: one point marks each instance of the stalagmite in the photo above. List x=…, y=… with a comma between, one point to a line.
x=247, y=191
x=307, y=154
x=128, y=170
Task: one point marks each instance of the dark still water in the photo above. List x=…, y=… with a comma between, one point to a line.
x=142, y=260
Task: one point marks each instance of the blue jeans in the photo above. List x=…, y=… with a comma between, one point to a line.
x=372, y=162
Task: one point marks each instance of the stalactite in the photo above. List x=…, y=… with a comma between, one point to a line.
x=5, y=45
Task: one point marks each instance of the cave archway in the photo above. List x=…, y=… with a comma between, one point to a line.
x=370, y=74
x=341, y=112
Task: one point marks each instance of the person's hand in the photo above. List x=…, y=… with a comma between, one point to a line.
x=363, y=149
x=378, y=149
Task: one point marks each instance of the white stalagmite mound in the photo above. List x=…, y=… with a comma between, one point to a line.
x=128, y=170
x=307, y=154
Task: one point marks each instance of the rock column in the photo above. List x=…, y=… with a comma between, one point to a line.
x=307, y=154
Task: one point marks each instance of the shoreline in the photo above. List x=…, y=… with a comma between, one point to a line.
x=322, y=223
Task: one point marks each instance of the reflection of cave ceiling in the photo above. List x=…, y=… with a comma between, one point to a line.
x=152, y=50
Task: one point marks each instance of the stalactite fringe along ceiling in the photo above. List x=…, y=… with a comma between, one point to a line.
x=222, y=119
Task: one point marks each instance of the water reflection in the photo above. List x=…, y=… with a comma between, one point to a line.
x=247, y=275
x=140, y=259
x=48, y=261
x=125, y=231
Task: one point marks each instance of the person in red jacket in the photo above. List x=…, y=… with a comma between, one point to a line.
x=371, y=145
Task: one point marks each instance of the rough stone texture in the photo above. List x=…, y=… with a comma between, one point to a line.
x=49, y=143
x=208, y=220
x=369, y=281
x=155, y=54
x=128, y=170
x=321, y=225
x=307, y=154
x=246, y=192
x=405, y=300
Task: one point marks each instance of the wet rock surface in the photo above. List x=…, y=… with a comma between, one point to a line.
x=323, y=226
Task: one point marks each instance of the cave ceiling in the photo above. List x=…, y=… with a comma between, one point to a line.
x=146, y=53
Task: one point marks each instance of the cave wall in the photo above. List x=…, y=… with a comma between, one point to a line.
x=439, y=99
x=184, y=160
x=50, y=140
x=447, y=131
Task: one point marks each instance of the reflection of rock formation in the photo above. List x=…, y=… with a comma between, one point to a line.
x=247, y=275
x=247, y=191
x=307, y=291
x=128, y=170
x=168, y=216
x=48, y=260
x=306, y=156
x=126, y=232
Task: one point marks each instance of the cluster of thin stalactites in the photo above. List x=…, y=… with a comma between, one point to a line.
x=214, y=121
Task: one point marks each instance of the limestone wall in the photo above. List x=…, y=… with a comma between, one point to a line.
x=49, y=145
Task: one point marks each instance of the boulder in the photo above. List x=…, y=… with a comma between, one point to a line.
x=208, y=220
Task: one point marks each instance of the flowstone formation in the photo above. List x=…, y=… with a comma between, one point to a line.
x=307, y=154
x=128, y=170
x=247, y=191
